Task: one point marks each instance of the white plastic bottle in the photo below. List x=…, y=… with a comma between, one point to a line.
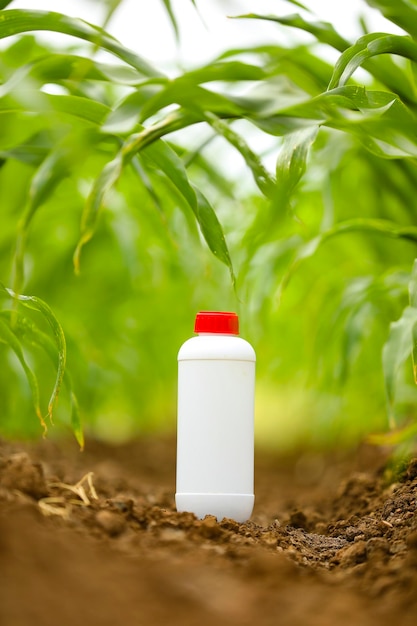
x=215, y=437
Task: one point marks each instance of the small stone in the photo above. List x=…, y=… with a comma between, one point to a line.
x=112, y=523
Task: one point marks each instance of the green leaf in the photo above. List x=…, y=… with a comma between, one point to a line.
x=378, y=118
x=172, y=166
x=193, y=97
x=32, y=152
x=401, y=12
x=53, y=169
x=8, y=337
x=369, y=46
x=82, y=108
x=394, y=438
x=56, y=166
x=323, y=31
x=32, y=302
x=109, y=175
x=87, y=110
x=412, y=290
x=230, y=71
x=385, y=70
x=412, y=287
x=262, y=177
x=71, y=68
x=292, y=159
x=17, y=21
x=212, y=231
x=376, y=226
x=169, y=162
x=112, y=6
x=396, y=350
x=298, y=4
x=26, y=330
x=171, y=15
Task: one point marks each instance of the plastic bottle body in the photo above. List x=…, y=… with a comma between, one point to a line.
x=215, y=438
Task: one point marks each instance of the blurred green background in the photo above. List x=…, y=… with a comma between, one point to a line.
x=313, y=180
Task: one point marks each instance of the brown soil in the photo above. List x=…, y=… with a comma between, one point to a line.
x=330, y=542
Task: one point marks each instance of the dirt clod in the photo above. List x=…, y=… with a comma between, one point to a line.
x=112, y=523
x=19, y=472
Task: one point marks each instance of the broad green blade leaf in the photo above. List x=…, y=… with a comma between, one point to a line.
x=291, y=165
x=397, y=349
x=112, y=171
x=230, y=71
x=412, y=287
x=76, y=422
x=104, y=183
x=171, y=15
x=26, y=330
x=172, y=166
x=87, y=110
x=379, y=119
x=53, y=169
x=386, y=71
x=16, y=21
x=173, y=19
x=298, y=4
x=164, y=157
x=33, y=151
x=394, y=438
x=82, y=108
x=192, y=97
x=369, y=46
x=57, y=166
x=262, y=177
x=376, y=226
x=292, y=160
x=355, y=328
x=144, y=178
x=218, y=178
x=169, y=162
x=127, y=114
x=32, y=302
x=412, y=290
x=401, y=12
x=5, y=3
x=8, y=337
x=298, y=65
x=323, y=31
x=112, y=6
x=58, y=67
x=213, y=232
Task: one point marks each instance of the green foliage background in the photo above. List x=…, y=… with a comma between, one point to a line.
x=121, y=218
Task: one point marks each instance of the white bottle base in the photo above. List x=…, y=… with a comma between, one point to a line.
x=236, y=506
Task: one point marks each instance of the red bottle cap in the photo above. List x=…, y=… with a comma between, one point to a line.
x=217, y=322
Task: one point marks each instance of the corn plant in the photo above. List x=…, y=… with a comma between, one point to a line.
x=112, y=200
